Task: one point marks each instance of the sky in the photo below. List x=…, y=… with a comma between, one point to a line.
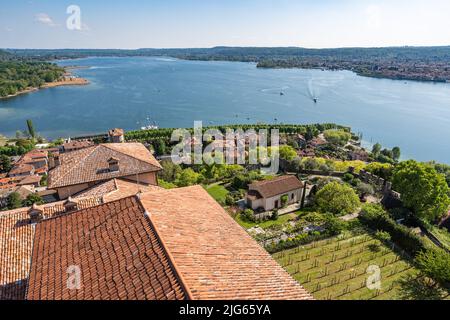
x=135, y=24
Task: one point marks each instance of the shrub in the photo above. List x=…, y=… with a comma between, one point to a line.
x=248, y=215
x=435, y=263
x=383, y=236
x=274, y=216
x=376, y=218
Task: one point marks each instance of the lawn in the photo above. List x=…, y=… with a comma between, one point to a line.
x=218, y=192
x=337, y=269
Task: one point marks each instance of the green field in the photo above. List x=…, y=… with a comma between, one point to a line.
x=337, y=269
x=218, y=192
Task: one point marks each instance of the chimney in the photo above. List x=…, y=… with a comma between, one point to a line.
x=36, y=213
x=113, y=165
x=70, y=205
x=53, y=160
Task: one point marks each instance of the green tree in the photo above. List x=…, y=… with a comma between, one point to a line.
x=14, y=201
x=338, y=199
x=287, y=153
x=5, y=163
x=337, y=137
x=33, y=198
x=423, y=190
x=31, y=130
x=435, y=263
x=188, y=177
x=160, y=147
x=396, y=153
x=376, y=149
x=170, y=171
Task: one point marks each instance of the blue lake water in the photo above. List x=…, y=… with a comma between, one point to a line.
x=125, y=91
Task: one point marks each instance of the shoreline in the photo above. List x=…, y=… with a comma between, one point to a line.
x=66, y=81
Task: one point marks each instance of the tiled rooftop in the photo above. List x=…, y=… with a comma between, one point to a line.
x=215, y=256
x=91, y=164
x=276, y=186
x=116, y=189
x=115, y=247
x=163, y=244
x=16, y=243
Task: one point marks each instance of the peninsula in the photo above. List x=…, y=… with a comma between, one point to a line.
x=19, y=76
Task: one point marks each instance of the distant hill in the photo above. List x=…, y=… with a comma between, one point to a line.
x=402, y=63
x=253, y=53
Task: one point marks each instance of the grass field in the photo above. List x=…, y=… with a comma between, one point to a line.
x=337, y=269
x=218, y=192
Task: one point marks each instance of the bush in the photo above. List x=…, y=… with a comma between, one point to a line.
x=248, y=215
x=348, y=177
x=383, y=236
x=376, y=218
x=435, y=263
x=274, y=216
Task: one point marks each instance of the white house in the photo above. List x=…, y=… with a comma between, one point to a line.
x=274, y=194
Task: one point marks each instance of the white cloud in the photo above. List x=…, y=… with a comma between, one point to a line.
x=45, y=19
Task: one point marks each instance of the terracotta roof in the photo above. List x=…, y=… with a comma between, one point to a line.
x=75, y=145
x=16, y=243
x=115, y=189
x=118, y=252
x=276, y=186
x=22, y=168
x=215, y=256
x=166, y=244
x=91, y=164
x=30, y=180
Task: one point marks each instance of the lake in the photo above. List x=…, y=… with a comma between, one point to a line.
x=124, y=92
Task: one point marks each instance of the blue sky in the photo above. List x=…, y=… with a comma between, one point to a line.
x=207, y=23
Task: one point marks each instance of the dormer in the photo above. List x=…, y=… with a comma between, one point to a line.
x=113, y=165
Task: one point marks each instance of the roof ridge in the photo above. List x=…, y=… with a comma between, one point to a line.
x=108, y=145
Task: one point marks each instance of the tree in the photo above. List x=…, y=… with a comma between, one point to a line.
x=5, y=163
x=33, y=198
x=383, y=170
x=160, y=147
x=14, y=201
x=422, y=189
x=337, y=137
x=435, y=263
x=31, y=130
x=170, y=171
x=376, y=149
x=338, y=199
x=311, y=133
x=287, y=153
x=188, y=177
x=396, y=153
